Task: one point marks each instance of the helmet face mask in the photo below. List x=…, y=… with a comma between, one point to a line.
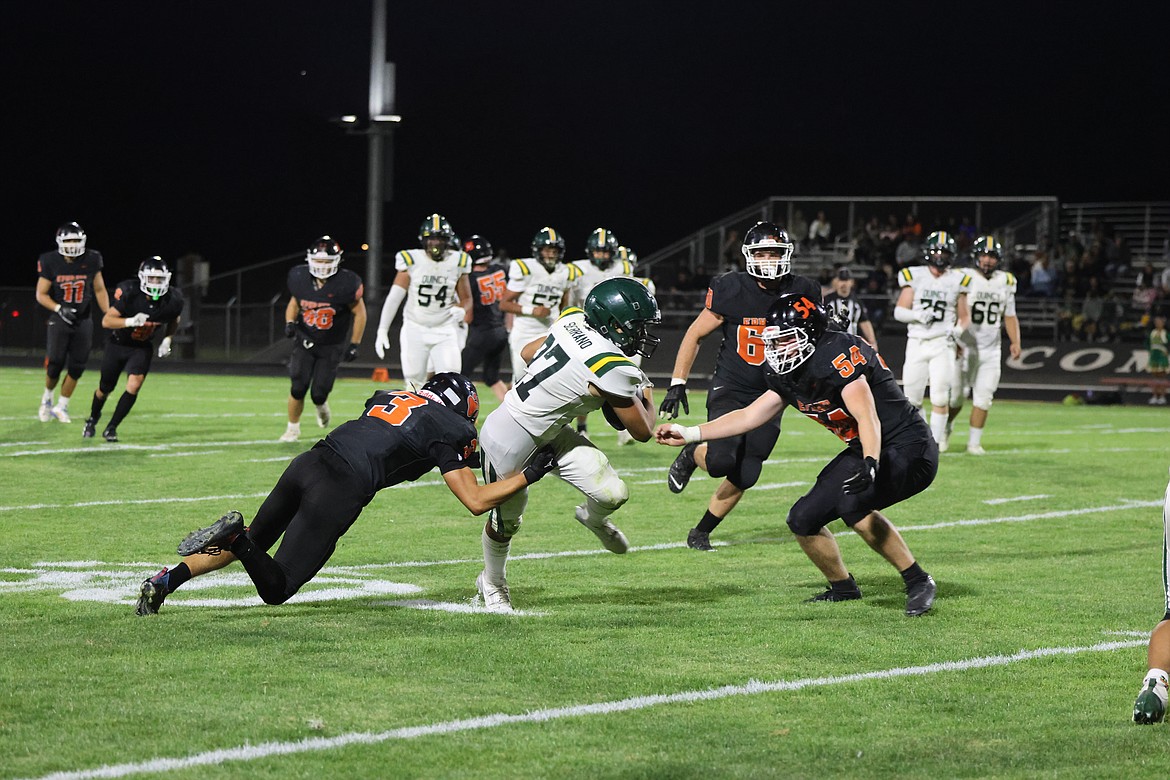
x=71, y=240
x=454, y=391
x=436, y=235
x=988, y=252
x=939, y=250
x=548, y=239
x=767, y=251
x=622, y=310
x=154, y=278
x=795, y=326
x=324, y=256
x=601, y=248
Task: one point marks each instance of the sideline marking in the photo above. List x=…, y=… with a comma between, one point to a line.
x=750, y=688
x=994, y=501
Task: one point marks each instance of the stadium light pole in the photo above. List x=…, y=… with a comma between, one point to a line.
x=380, y=136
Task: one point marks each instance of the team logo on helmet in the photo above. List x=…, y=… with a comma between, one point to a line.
x=795, y=326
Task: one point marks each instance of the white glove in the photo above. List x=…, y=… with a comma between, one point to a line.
x=164, y=348
x=457, y=314
x=138, y=320
x=382, y=343
x=925, y=316
x=954, y=331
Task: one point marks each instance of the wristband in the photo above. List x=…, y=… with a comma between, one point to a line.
x=58, y=308
x=527, y=309
x=689, y=433
x=674, y=380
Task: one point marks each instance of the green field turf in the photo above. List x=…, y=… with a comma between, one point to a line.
x=663, y=663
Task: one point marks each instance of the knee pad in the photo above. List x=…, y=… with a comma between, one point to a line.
x=980, y=398
x=801, y=524
x=76, y=370
x=317, y=399
x=748, y=473
x=720, y=460
x=298, y=391
x=611, y=494
x=53, y=370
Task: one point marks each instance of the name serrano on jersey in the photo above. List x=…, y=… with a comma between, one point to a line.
x=578, y=335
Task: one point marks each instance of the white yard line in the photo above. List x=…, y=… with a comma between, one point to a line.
x=996, y=501
x=442, y=728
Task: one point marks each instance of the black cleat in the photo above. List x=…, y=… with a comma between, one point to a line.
x=829, y=594
x=682, y=469
x=699, y=540
x=1149, y=708
x=215, y=538
x=920, y=596
x=110, y=434
x=90, y=428
x=151, y=594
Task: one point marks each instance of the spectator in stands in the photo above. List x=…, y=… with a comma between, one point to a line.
x=1158, y=344
x=730, y=255
x=1099, y=316
x=820, y=232
x=1119, y=257
x=1043, y=279
x=1022, y=270
x=798, y=229
x=908, y=252
x=1068, y=278
x=825, y=279
x=911, y=226
x=1142, y=301
x=967, y=233
x=1066, y=315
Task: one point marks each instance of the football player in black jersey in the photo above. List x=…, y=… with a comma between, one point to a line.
x=841, y=382
x=398, y=438
x=67, y=281
x=737, y=303
x=140, y=307
x=849, y=312
x=487, y=340
x=324, y=300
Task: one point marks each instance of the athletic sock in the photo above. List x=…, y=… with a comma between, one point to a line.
x=47, y=397
x=177, y=576
x=847, y=585
x=938, y=426
x=708, y=523
x=495, y=558
x=63, y=404
x=974, y=437
x=294, y=427
x=125, y=404
x=95, y=408
x=1160, y=681
x=913, y=574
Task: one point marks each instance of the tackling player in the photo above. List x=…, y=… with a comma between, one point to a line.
x=737, y=303
x=400, y=437
x=487, y=340
x=67, y=281
x=841, y=382
x=324, y=300
x=581, y=365
x=433, y=282
x=138, y=310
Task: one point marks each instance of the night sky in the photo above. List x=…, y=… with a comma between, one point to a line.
x=167, y=128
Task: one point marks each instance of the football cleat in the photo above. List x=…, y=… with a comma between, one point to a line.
x=920, y=597
x=1149, y=707
x=45, y=413
x=493, y=598
x=975, y=449
x=323, y=414
x=835, y=595
x=610, y=535
x=290, y=435
x=90, y=428
x=152, y=593
x=110, y=434
x=61, y=415
x=699, y=540
x=682, y=468
x=215, y=538
x=624, y=438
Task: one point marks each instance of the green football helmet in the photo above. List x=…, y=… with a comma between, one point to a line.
x=547, y=237
x=939, y=249
x=987, y=253
x=621, y=309
x=629, y=255
x=601, y=248
x=438, y=228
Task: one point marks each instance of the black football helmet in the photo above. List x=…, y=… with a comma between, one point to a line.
x=601, y=248
x=438, y=228
x=323, y=256
x=154, y=278
x=546, y=237
x=71, y=240
x=795, y=325
x=939, y=249
x=767, y=237
x=454, y=391
x=479, y=249
x=987, y=253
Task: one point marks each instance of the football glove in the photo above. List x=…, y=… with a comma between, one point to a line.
x=138, y=320
x=382, y=343
x=164, y=348
x=676, y=395
x=863, y=479
x=457, y=314
x=925, y=316
x=68, y=314
x=544, y=461
x=350, y=353
x=290, y=330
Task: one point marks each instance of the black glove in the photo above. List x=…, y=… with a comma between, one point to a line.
x=677, y=394
x=863, y=479
x=290, y=330
x=544, y=461
x=350, y=353
x=68, y=314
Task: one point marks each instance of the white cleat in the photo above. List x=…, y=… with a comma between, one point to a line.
x=290, y=436
x=45, y=413
x=610, y=535
x=975, y=449
x=945, y=444
x=61, y=415
x=493, y=598
x=323, y=414
x=624, y=438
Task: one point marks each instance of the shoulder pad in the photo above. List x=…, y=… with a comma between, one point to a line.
x=404, y=255
x=464, y=260
x=966, y=280
x=522, y=266
x=570, y=311
x=575, y=273
x=1011, y=279
x=617, y=375
x=905, y=277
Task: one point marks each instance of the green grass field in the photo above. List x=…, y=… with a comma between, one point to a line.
x=664, y=663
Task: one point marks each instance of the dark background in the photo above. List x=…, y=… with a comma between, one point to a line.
x=168, y=128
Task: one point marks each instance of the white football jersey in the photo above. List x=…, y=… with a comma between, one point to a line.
x=938, y=295
x=555, y=387
x=591, y=275
x=990, y=300
x=432, y=284
x=540, y=287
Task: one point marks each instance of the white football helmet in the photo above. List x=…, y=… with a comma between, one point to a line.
x=766, y=236
x=154, y=277
x=324, y=257
x=71, y=240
